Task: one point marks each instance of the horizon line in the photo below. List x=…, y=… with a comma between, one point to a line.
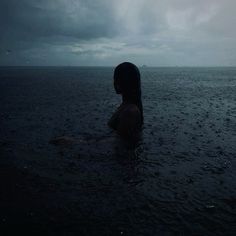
x=142, y=66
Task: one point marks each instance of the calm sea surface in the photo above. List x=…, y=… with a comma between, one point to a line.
x=181, y=178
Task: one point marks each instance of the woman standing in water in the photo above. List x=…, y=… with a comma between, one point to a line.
x=128, y=118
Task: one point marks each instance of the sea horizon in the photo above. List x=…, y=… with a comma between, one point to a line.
x=110, y=66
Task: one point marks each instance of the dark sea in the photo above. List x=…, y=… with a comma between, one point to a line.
x=179, y=180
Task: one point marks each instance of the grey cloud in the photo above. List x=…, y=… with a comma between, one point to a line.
x=29, y=20
x=105, y=32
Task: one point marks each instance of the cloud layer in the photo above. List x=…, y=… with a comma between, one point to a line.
x=106, y=32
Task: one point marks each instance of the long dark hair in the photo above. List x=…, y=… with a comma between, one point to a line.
x=127, y=82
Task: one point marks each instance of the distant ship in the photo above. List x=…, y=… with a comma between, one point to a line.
x=144, y=66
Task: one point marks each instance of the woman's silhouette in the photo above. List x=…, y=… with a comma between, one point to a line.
x=128, y=118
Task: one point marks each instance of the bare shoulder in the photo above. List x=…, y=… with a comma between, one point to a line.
x=132, y=110
x=130, y=120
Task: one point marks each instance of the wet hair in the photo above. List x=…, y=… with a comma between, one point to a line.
x=127, y=82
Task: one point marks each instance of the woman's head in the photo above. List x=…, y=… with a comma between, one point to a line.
x=127, y=82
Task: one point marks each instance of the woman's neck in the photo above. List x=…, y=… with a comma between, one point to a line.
x=126, y=99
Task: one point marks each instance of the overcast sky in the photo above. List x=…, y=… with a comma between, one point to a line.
x=107, y=32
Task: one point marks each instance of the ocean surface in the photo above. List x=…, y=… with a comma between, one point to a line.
x=179, y=180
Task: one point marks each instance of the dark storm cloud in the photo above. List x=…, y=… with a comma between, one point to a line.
x=31, y=28
x=105, y=32
x=42, y=21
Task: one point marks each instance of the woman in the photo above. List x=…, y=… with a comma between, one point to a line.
x=128, y=119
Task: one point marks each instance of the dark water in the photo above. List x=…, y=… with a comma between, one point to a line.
x=181, y=178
